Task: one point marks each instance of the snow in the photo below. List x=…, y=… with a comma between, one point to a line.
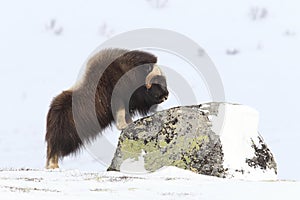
x=137, y=164
x=167, y=183
x=238, y=128
x=37, y=63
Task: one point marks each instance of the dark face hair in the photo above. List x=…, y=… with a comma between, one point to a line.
x=143, y=99
x=158, y=91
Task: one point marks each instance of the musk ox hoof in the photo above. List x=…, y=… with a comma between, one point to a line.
x=52, y=163
x=216, y=139
x=52, y=166
x=121, y=125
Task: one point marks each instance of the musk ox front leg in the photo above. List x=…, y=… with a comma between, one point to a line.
x=122, y=117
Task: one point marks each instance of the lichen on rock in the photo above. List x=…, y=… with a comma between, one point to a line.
x=178, y=137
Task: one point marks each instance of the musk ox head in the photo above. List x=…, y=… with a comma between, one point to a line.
x=140, y=84
x=152, y=92
x=156, y=86
x=147, y=80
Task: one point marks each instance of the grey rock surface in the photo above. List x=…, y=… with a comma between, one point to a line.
x=185, y=137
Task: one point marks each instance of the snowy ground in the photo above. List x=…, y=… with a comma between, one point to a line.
x=168, y=183
x=254, y=43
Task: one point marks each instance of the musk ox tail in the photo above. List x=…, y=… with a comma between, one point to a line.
x=61, y=136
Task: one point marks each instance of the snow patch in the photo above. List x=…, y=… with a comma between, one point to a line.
x=237, y=126
x=136, y=164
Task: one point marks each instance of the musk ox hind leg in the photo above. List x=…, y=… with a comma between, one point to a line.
x=52, y=162
x=61, y=136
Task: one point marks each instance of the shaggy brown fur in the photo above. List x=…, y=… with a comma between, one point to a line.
x=89, y=102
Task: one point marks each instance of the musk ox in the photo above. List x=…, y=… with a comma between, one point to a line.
x=79, y=114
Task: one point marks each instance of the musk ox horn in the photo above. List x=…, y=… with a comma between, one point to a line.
x=155, y=72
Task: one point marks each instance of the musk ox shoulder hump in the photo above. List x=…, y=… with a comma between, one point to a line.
x=99, y=62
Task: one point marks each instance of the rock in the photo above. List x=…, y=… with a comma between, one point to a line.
x=216, y=139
